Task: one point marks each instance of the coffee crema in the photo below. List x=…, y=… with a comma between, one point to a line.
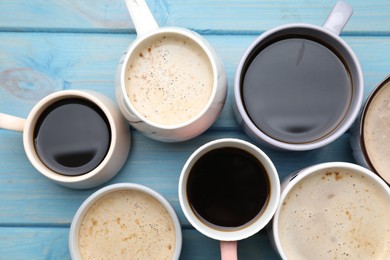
x=127, y=224
x=376, y=131
x=295, y=89
x=169, y=80
x=72, y=136
x=228, y=187
x=335, y=214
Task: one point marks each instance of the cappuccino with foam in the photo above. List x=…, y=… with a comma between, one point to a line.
x=376, y=131
x=169, y=80
x=335, y=213
x=127, y=224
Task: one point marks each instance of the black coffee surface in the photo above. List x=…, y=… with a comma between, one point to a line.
x=296, y=90
x=227, y=187
x=72, y=136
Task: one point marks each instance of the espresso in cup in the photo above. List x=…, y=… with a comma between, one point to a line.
x=125, y=221
x=76, y=138
x=340, y=211
x=299, y=86
x=296, y=89
x=229, y=190
x=228, y=187
x=169, y=79
x=72, y=136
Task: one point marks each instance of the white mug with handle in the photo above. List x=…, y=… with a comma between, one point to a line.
x=170, y=84
x=76, y=138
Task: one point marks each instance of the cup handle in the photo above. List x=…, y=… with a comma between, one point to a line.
x=339, y=17
x=143, y=19
x=228, y=250
x=12, y=122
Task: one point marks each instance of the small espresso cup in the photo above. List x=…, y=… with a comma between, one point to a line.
x=370, y=134
x=171, y=84
x=76, y=138
x=125, y=221
x=229, y=190
x=333, y=210
x=299, y=86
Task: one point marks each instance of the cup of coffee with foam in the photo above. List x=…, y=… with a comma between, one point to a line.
x=171, y=84
x=333, y=210
x=76, y=138
x=229, y=190
x=125, y=221
x=299, y=86
x=370, y=135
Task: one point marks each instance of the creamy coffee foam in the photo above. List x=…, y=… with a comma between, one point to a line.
x=336, y=214
x=127, y=225
x=376, y=132
x=170, y=80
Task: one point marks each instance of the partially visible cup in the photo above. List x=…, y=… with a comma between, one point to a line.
x=171, y=84
x=229, y=190
x=299, y=86
x=125, y=221
x=370, y=135
x=76, y=138
x=333, y=210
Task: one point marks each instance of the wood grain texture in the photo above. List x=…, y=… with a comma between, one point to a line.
x=245, y=16
x=52, y=243
x=46, y=46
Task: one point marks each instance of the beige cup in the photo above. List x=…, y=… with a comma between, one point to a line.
x=171, y=84
x=125, y=221
x=110, y=164
x=333, y=210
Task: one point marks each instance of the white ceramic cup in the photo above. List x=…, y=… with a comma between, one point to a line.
x=369, y=134
x=147, y=32
x=230, y=236
x=83, y=209
x=329, y=36
x=112, y=162
x=340, y=217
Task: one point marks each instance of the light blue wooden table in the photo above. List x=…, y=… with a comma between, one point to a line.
x=50, y=45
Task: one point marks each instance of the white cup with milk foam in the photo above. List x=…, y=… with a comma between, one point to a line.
x=170, y=83
x=333, y=210
x=125, y=221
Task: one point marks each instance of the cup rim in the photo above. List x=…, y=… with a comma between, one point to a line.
x=343, y=126
x=255, y=225
x=291, y=180
x=364, y=109
x=88, y=202
x=35, y=113
x=182, y=32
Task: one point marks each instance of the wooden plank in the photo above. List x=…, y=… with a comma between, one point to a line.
x=52, y=243
x=249, y=16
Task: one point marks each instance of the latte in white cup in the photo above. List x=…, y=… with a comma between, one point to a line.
x=370, y=135
x=125, y=221
x=333, y=211
x=169, y=79
x=171, y=84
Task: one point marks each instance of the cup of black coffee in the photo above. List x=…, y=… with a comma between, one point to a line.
x=229, y=190
x=76, y=138
x=299, y=86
